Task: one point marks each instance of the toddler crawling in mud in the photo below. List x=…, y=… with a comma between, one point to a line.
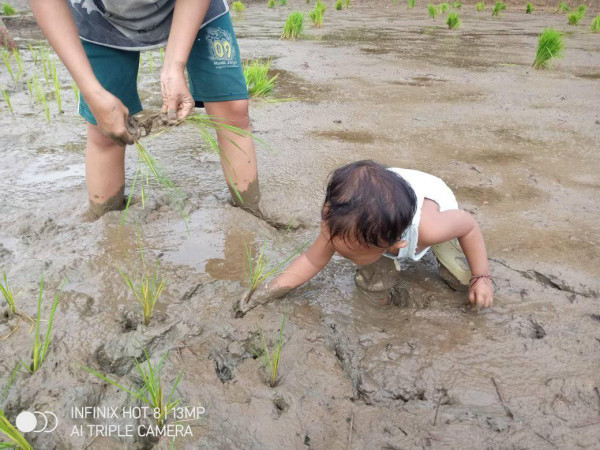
x=372, y=211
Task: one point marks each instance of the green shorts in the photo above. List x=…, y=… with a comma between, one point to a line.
x=214, y=69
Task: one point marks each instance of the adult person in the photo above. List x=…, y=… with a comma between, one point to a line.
x=99, y=41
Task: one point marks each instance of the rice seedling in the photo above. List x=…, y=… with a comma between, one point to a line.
x=34, y=54
x=7, y=100
x=563, y=7
x=15, y=438
x=499, y=6
x=56, y=82
x=270, y=358
x=550, y=45
x=432, y=11
x=149, y=288
x=41, y=96
x=444, y=7
x=8, y=294
x=153, y=387
x=162, y=55
x=41, y=348
x=75, y=91
x=529, y=9
x=293, y=26
x=151, y=62
x=480, y=6
x=5, y=54
x=410, y=4
x=8, y=10
x=457, y=5
x=29, y=87
x=283, y=2
x=238, y=7
x=347, y=3
x=271, y=4
x=257, y=78
x=595, y=27
x=316, y=16
x=321, y=6
x=573, y=18
x=453, y=21
x=338, y=5
x=19, y=60
x=258, y=271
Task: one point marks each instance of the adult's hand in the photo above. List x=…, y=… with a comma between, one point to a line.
x=111, y=116
x=177, y=99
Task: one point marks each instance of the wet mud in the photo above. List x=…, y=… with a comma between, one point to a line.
x=519, y=147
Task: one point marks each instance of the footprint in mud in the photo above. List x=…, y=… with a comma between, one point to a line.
x=529, y=328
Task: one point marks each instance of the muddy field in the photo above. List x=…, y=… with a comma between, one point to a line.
x=518, y=146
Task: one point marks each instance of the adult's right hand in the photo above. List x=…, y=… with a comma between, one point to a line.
x=111, y=116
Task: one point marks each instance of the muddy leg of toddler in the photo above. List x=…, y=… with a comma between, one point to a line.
x=454, y=268
x=377, y=279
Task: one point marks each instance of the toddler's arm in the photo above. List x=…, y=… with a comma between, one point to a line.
x=437, y=227
x=305, y=267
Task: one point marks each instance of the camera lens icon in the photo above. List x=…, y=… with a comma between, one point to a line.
x=28, y=421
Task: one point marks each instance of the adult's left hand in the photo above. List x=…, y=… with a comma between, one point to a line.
x=177, y=99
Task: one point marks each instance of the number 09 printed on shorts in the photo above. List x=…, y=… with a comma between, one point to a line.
x=221, y=47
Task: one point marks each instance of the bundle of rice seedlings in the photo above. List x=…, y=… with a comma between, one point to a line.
x=41, y=347
x=550, y=45
x=271, y=4
x=321, y=6
x=410, y=4
x=432, y=11
x=453, y=21
x=15, y=438
x=152, y=390
x=529, y=9
x=575, y=16
x=257, y=78
x=7, y=100
x=8, y=10
x=338, y=5
x=457, y=5
x=271, y=357
x=56, y=87
x=499, y=6
x=595, y=27
x=480, y=6
x=148, y=290
x=293, y=26
x=238, y=7
x=444, y=7
x=317, y=17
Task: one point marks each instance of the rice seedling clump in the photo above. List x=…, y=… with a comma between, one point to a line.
x=271, y=358
x=238, y=7
x=432, y=11
x=8, y=294
x=444, y=7
x=283, y=2
x=347, y=3
x=320, y=6
x=410, y=4
x=453, y=21
x=7, y=100
x=457, y=5
x=480, y=6
x=550, y=45
x=562, y=6
x=499, y=6
x=271, y=4
x=257, y=78
x=293, y=26
x=316, y=16
x=338, y=5
x=529, y=9
x=596, y=24
x=8, y=10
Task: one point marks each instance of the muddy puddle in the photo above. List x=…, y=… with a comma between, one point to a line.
x=519, y=147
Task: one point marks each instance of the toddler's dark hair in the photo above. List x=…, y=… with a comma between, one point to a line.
x=367, y=203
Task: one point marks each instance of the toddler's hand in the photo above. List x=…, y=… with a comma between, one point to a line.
x=481, y=292
x=251, y=299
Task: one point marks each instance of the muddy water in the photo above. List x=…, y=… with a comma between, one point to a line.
x=519, y=147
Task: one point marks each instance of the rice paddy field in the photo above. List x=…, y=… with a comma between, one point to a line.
x=137, y=310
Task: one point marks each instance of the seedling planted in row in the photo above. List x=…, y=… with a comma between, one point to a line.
x=238, y=7
x=8, y=294
x=432, y=11
x=14, y=436
x=293, y=26
x=596, y=24
x=271, y=357
x=271, y=4
x=338, y=5
x=317, y=17
x=550, y=45
x=7, y=100
x=562, y=6
x=499, y=6
x=257, y=269
x=480, y=6
x=257, y=78
x=410, y=4
x=151, y=393
x=453, y=21
x=457, y=5
x=529, y=9
x=8, y=10
x=444, y=7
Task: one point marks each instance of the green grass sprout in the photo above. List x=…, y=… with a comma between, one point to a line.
x=480, y=6
x=152, y=392
x=15, y=439
x=271, y=358
x=293, y=26
x=8, y=10
x=238, y=7
x=550, y=45
x=41, y=347
x=499, y=6
x=257, y=78
x=453, y=21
